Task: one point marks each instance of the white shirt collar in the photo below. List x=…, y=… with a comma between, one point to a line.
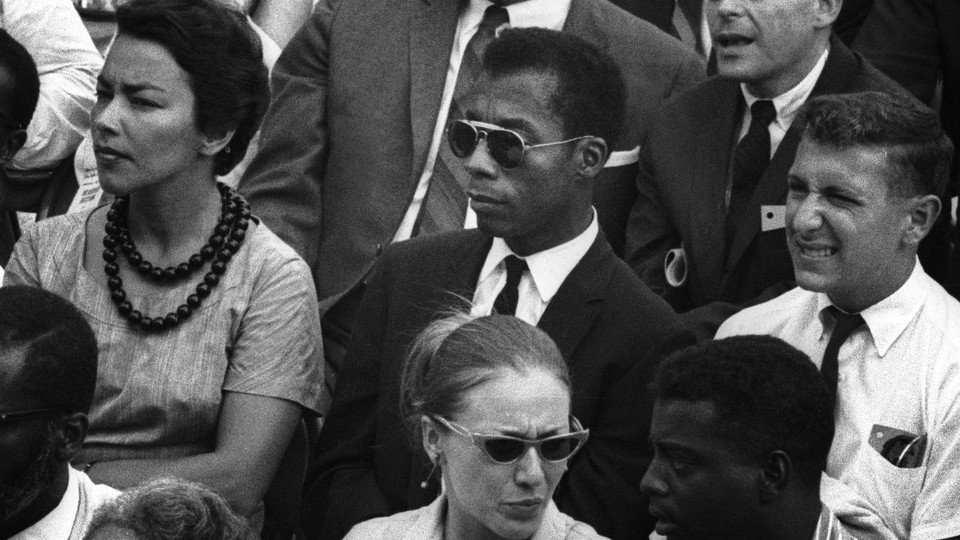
x=549, y=14
x=788, y=103
x=548, y=268
x=59, y=522
x=888, y=318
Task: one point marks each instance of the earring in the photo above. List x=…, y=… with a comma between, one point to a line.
x=423, y=485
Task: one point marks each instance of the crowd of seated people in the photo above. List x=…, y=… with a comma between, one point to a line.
x=518, y=269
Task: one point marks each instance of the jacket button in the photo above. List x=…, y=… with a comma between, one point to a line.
x=378, y=249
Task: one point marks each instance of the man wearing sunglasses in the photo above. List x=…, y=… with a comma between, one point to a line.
x=533, y=137
x=48, y=369
x=353, y=153
x=741, y=429
x=864, y=191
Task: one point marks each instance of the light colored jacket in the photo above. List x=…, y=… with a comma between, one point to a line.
x=427, y=524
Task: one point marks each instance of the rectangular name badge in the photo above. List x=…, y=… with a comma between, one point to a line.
x=772, y=217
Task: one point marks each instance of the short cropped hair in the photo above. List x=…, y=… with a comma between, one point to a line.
x=768, y=394
x=459, y=352
x=25, y=88
x=171, y=509
x=58, y=348
x=212, y=42
x=590, y=95
x=917, y=148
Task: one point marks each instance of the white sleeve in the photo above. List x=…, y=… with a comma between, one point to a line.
x=68, y=65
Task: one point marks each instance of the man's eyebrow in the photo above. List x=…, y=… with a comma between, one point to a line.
x=132, y=88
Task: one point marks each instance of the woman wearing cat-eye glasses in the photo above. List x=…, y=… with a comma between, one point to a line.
x=489, y=400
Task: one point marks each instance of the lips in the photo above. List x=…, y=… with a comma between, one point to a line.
x=524, y=508
x=815, y=250
x=108, y=153
x=732, y=39
x=664, y=527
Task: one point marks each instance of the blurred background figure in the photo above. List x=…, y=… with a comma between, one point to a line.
x=489, y=401
x=168, y=509
x=207, y=323
x=741, y=431
x=48, y=368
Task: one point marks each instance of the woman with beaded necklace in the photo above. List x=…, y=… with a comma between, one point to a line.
x=206, y=322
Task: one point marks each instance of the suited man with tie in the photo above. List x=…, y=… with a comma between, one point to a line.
x=712, y=181
x=863, y=192
x=532, y=137
x=350, y=144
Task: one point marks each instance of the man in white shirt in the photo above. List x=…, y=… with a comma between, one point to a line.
x=48, y=370
x=712, y=173
x=863, y=192
x=533, y=138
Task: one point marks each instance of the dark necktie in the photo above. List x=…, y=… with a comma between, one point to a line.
x=445, y=204
x=506, y=302
x=749, y=163
x=844, y=325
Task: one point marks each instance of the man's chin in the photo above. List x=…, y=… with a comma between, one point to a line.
x=34, y=481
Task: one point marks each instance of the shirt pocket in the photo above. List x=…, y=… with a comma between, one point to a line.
x=893, y=490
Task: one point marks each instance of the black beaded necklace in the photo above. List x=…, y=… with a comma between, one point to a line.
x=225, y=241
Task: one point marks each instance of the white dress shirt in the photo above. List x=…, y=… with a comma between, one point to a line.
x=546, y=272
x=787, y=104
x=68, y=64
x=549, y=14
x=69, y=520
x=901, y=370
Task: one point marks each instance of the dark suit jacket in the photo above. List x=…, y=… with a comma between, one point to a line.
x=603, y=319
x=684, y=171
x=916, y=42
x=355, y=101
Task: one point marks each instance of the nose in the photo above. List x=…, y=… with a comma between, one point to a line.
x=653, y=483
x=804, y=215
x=529, y=470
x=103, y=116
x=479, y=162
x=724, y=8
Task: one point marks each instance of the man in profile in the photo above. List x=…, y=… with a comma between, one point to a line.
x=741, y=430
x=48, y=370
x=533, y=137
x=863, y=192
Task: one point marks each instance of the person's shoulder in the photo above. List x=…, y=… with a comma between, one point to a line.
x=581, y=531
x=624, y=30
x=429, y=246
x=384, y=528
x=59, y=230
x=767, y=317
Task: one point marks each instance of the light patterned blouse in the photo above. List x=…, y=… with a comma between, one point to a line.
x=158, y=395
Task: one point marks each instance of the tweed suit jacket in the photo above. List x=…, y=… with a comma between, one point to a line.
x=356, y=95
x=605, y=323
x=685, y=167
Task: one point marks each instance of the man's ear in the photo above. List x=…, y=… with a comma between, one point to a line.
x=593, y=154
x=71, y=432
x=827, y=12
x=211, y=144
x=11, y=145
x=776, y=468
x=923, y=211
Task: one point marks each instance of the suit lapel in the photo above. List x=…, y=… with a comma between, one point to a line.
x=715, y=139
x=838, y=73
x=465, y=260
x=432, y=28
x=574, y=308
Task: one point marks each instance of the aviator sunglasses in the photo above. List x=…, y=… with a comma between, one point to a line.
x=506, y=147
x=505, y=450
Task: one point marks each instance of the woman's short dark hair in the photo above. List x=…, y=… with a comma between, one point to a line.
x=459, y=352
x=212, y=42
x=171, y=509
